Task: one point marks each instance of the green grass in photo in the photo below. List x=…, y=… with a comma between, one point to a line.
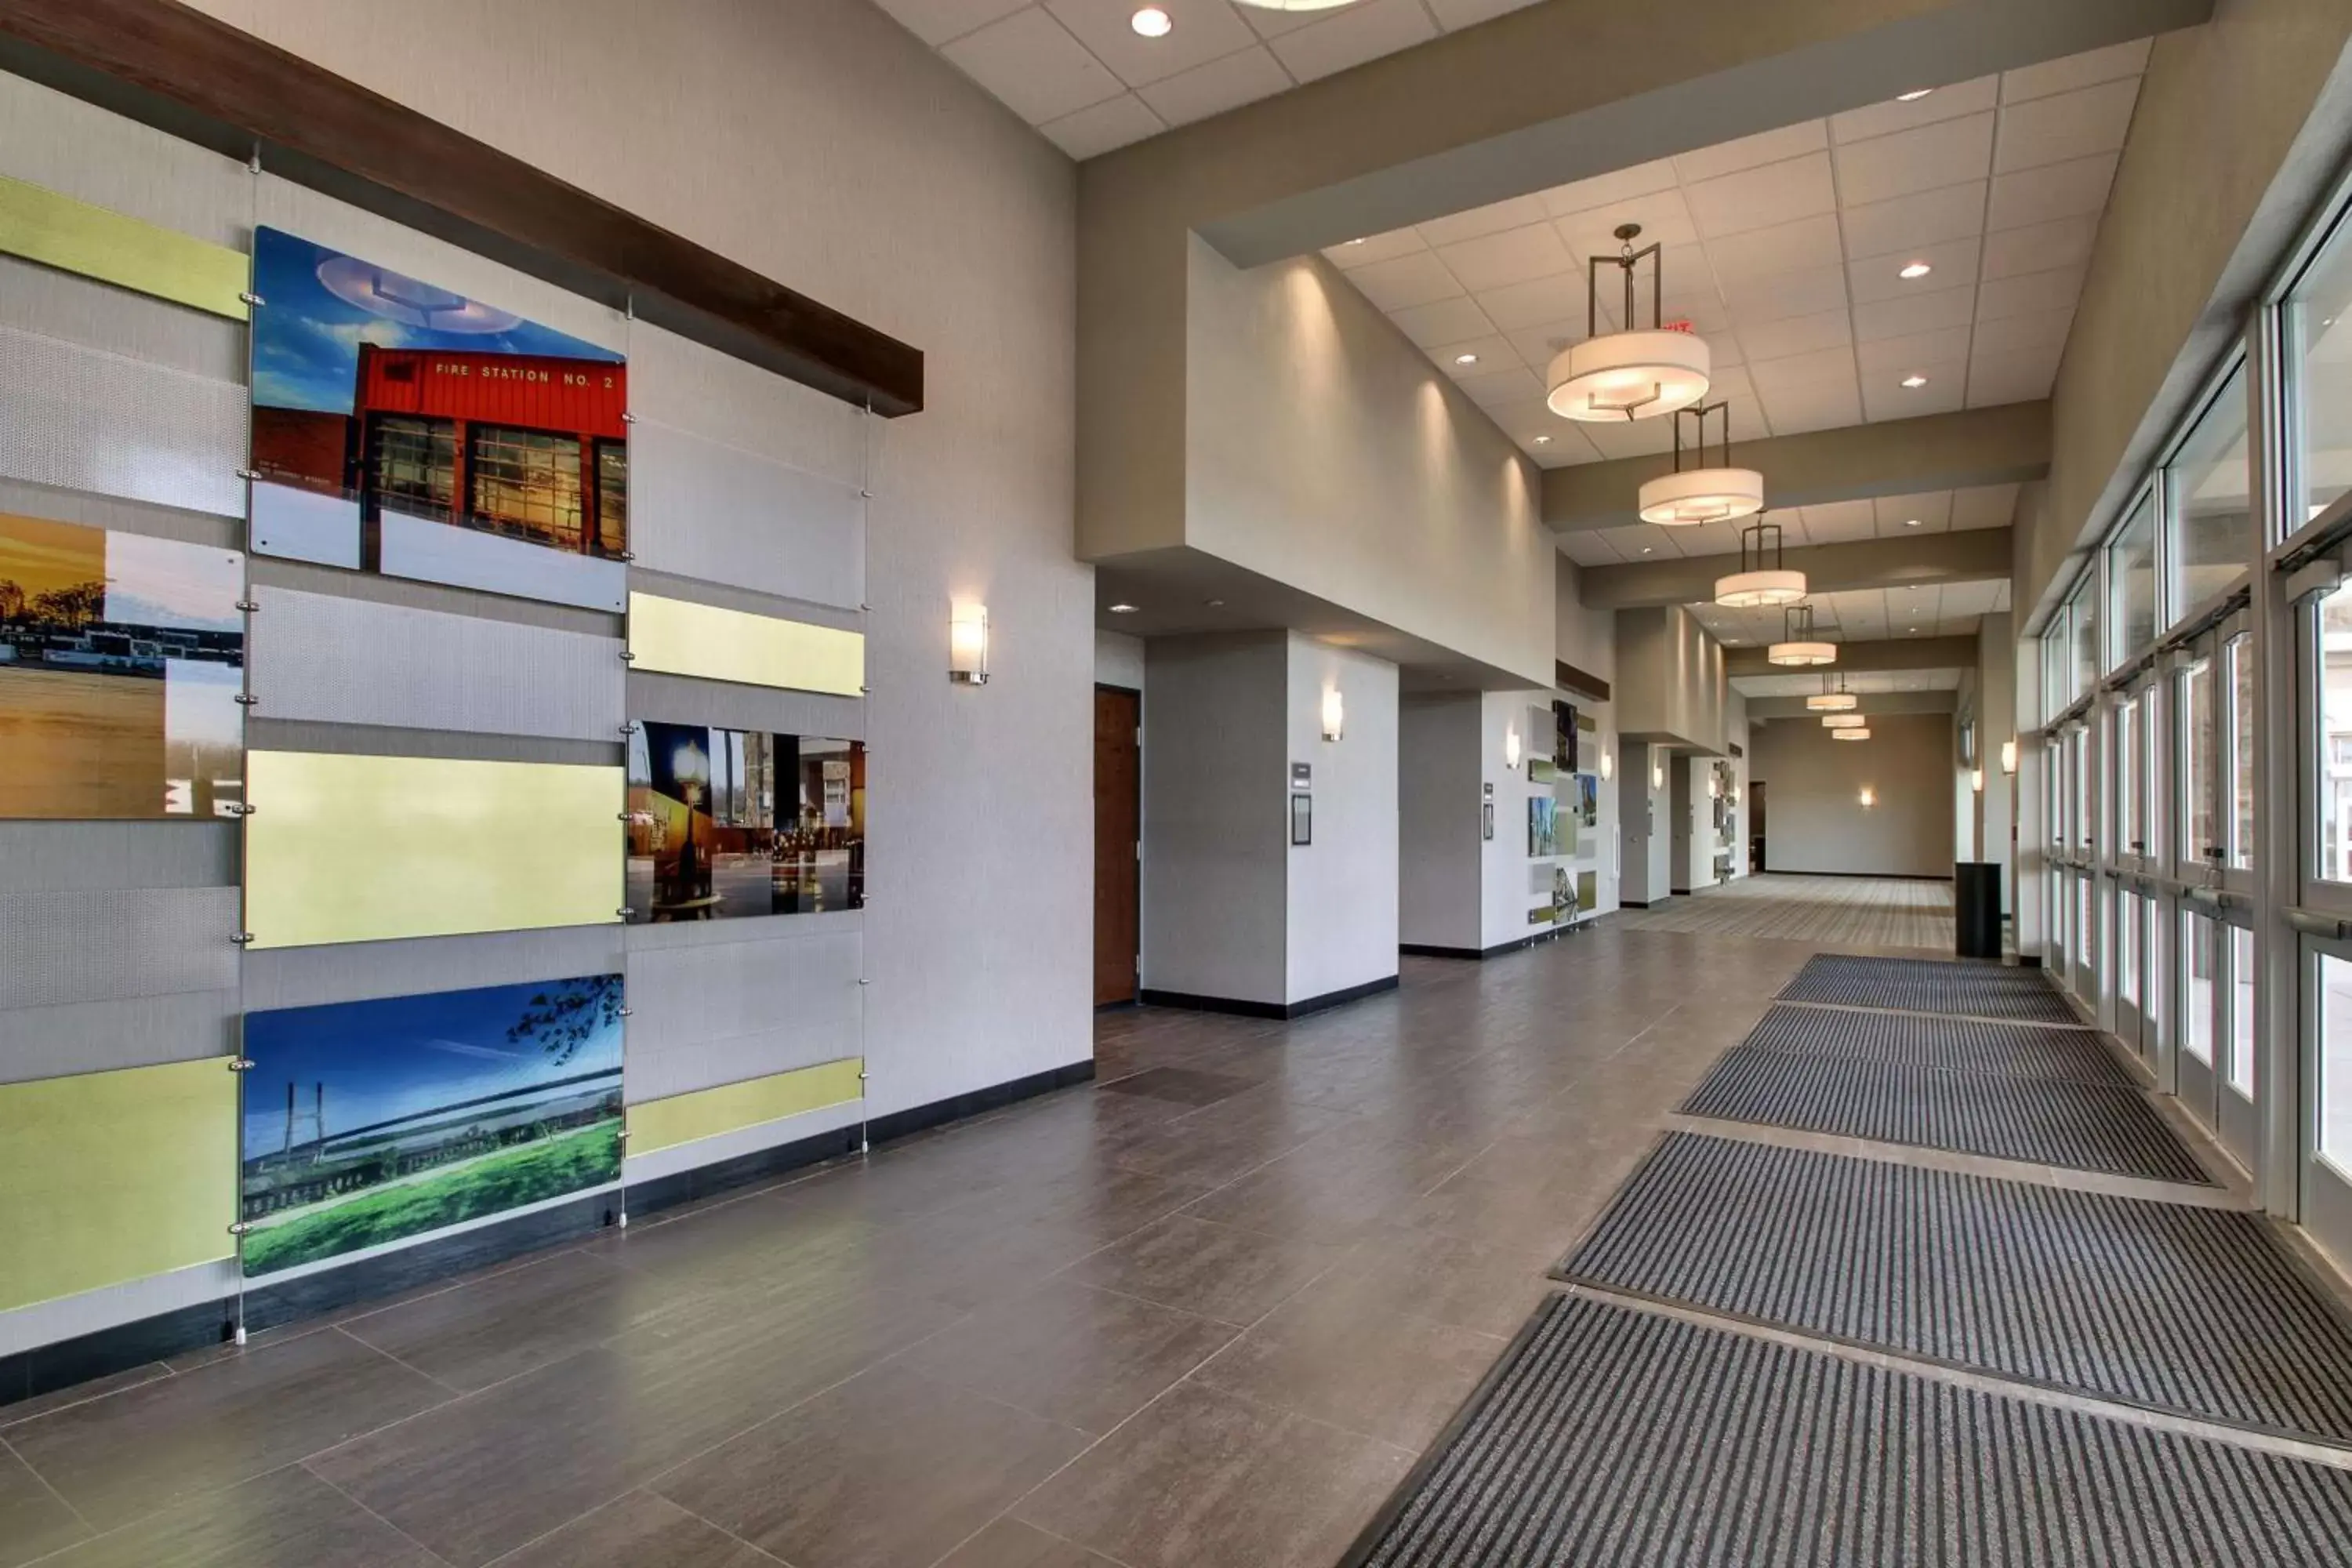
x=508, y=1179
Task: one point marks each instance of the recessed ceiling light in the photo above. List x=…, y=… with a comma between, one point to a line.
x=1465, y=359
x=1355, y=242
x=1543, y=440
x=1645, y=550
x=1914, y=95
x=1122, y=609
x=1914, y=383
x=1910, y=523
x=1214, y=603
x=1916, y=269
x=1151, y=22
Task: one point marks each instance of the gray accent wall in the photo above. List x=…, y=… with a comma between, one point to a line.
x=719, y=1001
x=1814, y=819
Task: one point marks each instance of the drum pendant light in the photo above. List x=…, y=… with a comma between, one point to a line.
x=1761, y=582
x=1843, y=722
x=1639, y=373
x=1854, y=732
x=1828, y=701
x=1798, y=644
x=1701, y=494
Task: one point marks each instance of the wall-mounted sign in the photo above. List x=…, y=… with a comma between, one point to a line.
x=1302, y=775
x=1302, y=819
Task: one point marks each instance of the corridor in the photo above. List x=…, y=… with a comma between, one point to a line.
x=1834, y=912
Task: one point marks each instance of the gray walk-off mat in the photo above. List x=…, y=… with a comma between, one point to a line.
x=1929, y=985
x=1954, y=1044
x=2109, y=1128
x=2195, y=1311
x=1614, y=1438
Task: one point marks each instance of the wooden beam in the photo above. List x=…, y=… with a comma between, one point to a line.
x=174, y=67
x=1581, y=681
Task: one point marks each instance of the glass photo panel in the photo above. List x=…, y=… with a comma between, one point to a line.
x=725, y=824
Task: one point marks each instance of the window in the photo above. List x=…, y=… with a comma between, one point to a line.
x=2242, y=1011
x=2319, y=350
x=525, y=484
x=2238, y=655
x=413, y=464
x=2082, y=614
x=2335, y=633
x=2210, y=489
x=2131, y=781
x=2196, y=709
x=2131, y=584
x=2083, y=928
x=2197, y=986
x=2336, y=1062
x=2127, y=907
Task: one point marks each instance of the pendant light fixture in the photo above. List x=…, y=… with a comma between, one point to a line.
x=1296, y=4
x=1858, y=733
x=1843, y=721
x=1828, y=701
x=1761, y=582
x=1639, y=373
x=1799, y=645
x=1701, y=494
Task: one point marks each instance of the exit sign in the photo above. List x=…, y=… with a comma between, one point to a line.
x=1680, y=324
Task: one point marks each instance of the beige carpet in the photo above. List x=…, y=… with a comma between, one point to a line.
x=1839, y=911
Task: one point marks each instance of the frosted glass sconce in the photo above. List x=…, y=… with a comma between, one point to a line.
x=968, y=645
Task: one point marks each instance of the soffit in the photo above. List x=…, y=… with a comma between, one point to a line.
x=1875, y=684
x=1837, y=522
x=1867, y=614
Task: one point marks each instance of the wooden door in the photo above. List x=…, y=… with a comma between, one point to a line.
x=1119, y=829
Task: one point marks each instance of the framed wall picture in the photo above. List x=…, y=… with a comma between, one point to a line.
x=1302, y=819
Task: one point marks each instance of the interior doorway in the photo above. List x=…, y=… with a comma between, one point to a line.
x=1755, y=829
x=1118, y=835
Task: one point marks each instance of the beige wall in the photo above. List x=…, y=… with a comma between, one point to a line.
x=2220, y=169
x=820, y=145
x=1814, y=820
x=1586, y=637
x=1670, y=680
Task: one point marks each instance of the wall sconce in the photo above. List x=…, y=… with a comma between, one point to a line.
x=1977, y=779
x=1511, y=746
x=1714, y=789
x=2008, y=756
x=1335, y=714
x=1607, y=767
x=1869, y=797
x=968, y=645
x=1657, y=776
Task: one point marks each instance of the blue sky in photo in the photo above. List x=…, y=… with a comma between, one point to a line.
x=306, y=338
x=401, y=1054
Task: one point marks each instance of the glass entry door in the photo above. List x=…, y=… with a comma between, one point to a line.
x=2324, y=753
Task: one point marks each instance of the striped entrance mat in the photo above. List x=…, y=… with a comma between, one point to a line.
x=2198, y=1311
x=1954, y=1044
x=1614, y=1438
x=2109, y=1128
x=1929, y=985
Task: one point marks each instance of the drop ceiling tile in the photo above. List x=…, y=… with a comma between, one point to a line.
x=1443, y=322
x=2030, y=294
x=1537, y=346
x=1796, y=335
x=2074, y=71
x=1559, y=299
x=1898, y=515
x=1486, y=388
x=1629, y=439
x=1031, y=63
x=1754, y=300
x=1883, y=395
x=2078, y=189
x=1891, y=359
x=1363, y=32
x=2065, y=125
x=1723, y=348
x=1753, y=198
x=1841, y=522
x=1811, y=242
x=1455, y=14
x=1621, y=185
x=1708, y=539
x=1587, y=549
x=1907, y=223
x=1515, y=255
x=1885, y=167
x=1204, y=30
x=1665, y=217
x=1772, y=376
x=1349, y=254
x=1910, y=314
x=1996, y=379
x=1734, y=388
x=2040, y=248
x=1952, y=263
x=1824, y=403
x=936, y=21
x=1695, y=303
x=1243, y=77
x=1405, y=280
x=1562, y=451
x=1753, y=152
x=1983, y=506
x=1114, y=122
x=1943, y=103
x=2043, y=334
x=1640, y=541
x=1494, y=218
x=1489, y=354
x=1268, y=23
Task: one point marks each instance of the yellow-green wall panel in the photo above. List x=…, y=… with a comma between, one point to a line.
x=111, y=1176
x=707, y=1112
x=345, y=848
x=57, y=231
x=679, y=637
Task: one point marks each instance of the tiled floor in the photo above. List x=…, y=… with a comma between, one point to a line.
x=1205, y=1311
x=1846, y=912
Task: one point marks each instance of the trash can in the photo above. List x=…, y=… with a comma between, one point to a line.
x=1976, y=908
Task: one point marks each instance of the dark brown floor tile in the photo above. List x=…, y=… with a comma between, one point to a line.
x=1009, y=1544
x=1203, y=1479
x=1186, y=1086
x=1347, y=1355
x=80, y=1393
x=1214, y=1270
x=134, y=1452
x=495, y=1328
x=1230, y=1139
x=503, y=1467
x=34, y=1521
x=287, y=1519
x=1330, y=1190
x=639, y=1531
x=891, y=1468
x=1447, y=1279
x=1072, y=1353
